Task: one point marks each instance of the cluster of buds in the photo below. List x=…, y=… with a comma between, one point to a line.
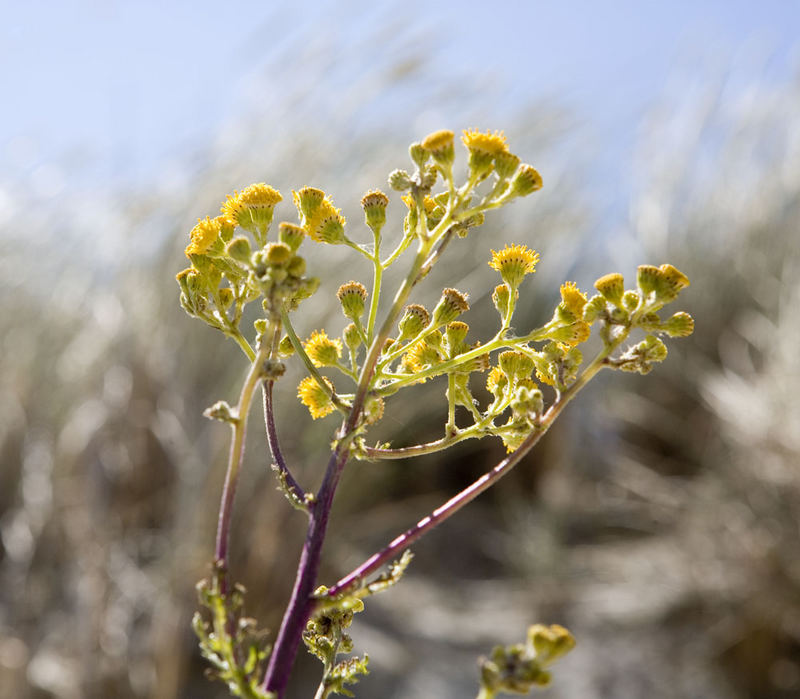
x=228, y=270
x=520, y=668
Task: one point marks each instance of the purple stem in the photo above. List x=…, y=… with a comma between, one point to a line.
x=274, y=446
x=439, y=515
x=301, y=603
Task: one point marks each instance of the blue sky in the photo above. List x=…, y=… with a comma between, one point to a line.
x=112, y=90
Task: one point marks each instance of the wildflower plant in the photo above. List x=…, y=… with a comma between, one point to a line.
x=530, y=377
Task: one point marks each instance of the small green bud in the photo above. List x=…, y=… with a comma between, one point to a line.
x=630, y=300
x=239, y=249
x=679, y=325
x=415, y=318
x=308, y=200
x=351, y=337
x=440, y=145
x=505, y=164
x=428, y=177
x=291, y=234
x=456, y=333
x=226, y=298
x=220, y=411
x=526, y=181
x=260, y=325
x=594, y=308
x=277, y=253
x=285, y=347
x=452, y=304
x=515, y=365
x=352, y=297
x=399, y=180
x=501, y=297
x=418, y=155
x=374, y=204
x=612, y=287
x=296, y=267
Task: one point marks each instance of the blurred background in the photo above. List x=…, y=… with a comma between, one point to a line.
x=659, y=520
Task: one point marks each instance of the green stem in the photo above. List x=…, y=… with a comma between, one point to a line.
x=298, y=347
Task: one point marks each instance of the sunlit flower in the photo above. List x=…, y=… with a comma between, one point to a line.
x=204, y=235
x=573, y=300
x=315, y=398
x=514, y=262
x=489, y=143
x=252, y=208
x=322, y=350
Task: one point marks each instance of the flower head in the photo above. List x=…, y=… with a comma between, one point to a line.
x=321, y=219
x=488, y=143
x=452, y=304
x=315, y=398
x=514, y=262
x=252, y=208
x=204, y=235
x=572, y=302
x=440, y=145
x=352, y=297
x=322, y=350
x=374, y=204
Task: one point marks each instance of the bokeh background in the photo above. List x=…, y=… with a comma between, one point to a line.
x=659, y=520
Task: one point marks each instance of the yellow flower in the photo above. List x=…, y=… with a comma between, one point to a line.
x=488, y=143
x=325, y=223
x=251, y=208
x=307, y=200
x=611, y=287
x=572, y=299
x=204, y=235
x=315, y=398
x=322, y=350
x=496, y=381
x=427, y=202
x=514, y=262
x=440, y=145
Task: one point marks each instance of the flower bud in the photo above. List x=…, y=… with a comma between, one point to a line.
x=456, y=333
x=595, y=308
x=415, y=318
x=526, y=181
x=285, y=347
x=452, y=304
x=505, y=164
x=399, y=180
x=501, y=297
x=277, y=253
x=418, y=155
x=612, y=287
x=440, y=145
x=239, y=249
x=308, y=200
x=374, y=204
x=515, y=365
x=352, y=338
x=352, y=297
x=679, y=325
x=291, y=234
x=296, y=267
